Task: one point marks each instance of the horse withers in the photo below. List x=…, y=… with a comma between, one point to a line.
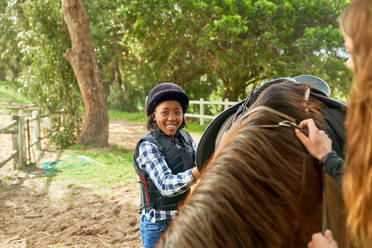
x=261, y=188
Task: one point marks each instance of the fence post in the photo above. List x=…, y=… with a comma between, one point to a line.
x=16, y=162
x=36, y=127
x=201, y=111
x=21, y=139
x=226, y=105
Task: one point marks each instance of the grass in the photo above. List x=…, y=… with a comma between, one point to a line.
x=8, y=179
x=118, y=115
x=9, y=93
x=195, y=127
x=110, y=167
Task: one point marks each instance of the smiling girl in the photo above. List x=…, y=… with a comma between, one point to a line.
x=164, y=160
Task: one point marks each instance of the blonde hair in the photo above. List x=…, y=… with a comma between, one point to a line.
x=357, y=183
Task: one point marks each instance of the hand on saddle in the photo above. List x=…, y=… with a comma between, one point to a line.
x=317, y=143
x=318, y=240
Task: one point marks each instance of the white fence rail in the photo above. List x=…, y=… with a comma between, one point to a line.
x=201, y=114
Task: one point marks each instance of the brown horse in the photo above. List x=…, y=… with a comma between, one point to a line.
x=261, y=188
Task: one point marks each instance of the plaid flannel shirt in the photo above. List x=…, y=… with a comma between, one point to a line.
x=153, y=162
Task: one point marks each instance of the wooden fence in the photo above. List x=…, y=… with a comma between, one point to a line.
x=18, y=127
x=201, y=114
x=12, y=128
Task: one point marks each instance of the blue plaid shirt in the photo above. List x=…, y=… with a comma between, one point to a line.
x=153, y=162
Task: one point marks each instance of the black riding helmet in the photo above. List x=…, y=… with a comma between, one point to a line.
x=334, y=114
x=164, y=92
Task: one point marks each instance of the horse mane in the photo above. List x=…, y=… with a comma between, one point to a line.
x=261, y=188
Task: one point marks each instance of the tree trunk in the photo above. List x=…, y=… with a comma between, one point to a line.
x=83, y=60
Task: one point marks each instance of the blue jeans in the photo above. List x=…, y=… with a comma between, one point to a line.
x=151, y=232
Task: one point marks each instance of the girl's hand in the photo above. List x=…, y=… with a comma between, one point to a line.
x=318, y=240
x=318, y=144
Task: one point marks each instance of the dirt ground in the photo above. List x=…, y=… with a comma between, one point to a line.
x=34, y=212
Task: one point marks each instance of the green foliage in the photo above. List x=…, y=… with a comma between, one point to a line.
x=213, y=49
x=9, y=93
x=195, y=127
x=123, y=99
x=234, y=45
x=128, y=116
x=46, y=77
x=115, y=98
x=10, y=56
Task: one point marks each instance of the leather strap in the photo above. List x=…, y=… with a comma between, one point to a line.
x=324, y=199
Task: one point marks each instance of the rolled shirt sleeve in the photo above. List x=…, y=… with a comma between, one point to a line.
x=334, y=166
